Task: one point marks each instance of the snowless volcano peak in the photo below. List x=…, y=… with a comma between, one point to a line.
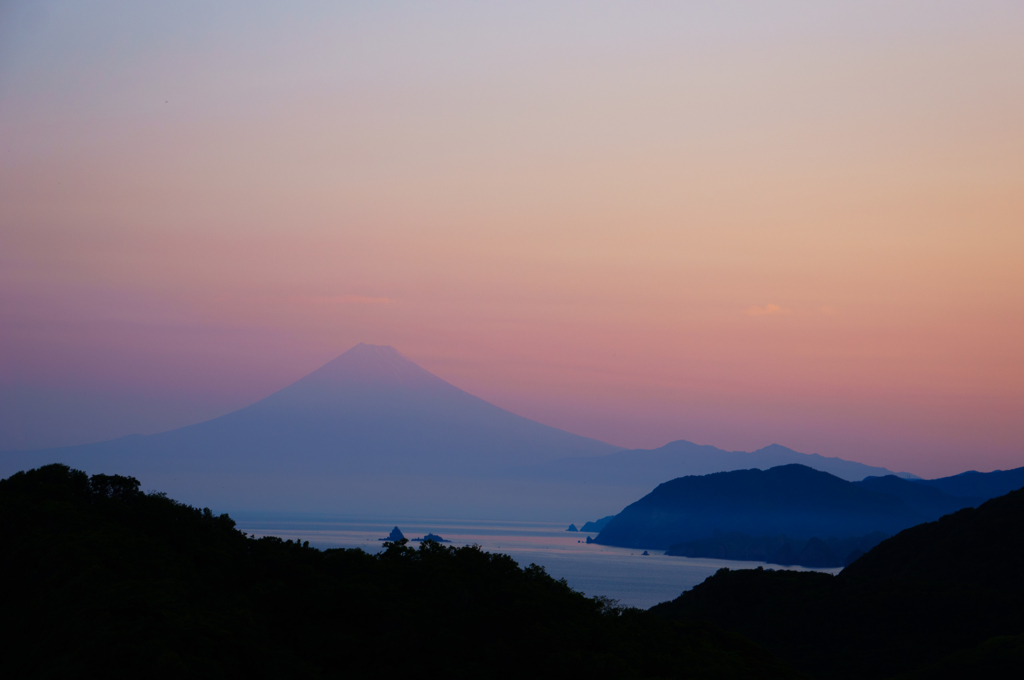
x=377, y=365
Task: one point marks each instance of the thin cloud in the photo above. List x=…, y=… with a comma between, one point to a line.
x=767, y=310
x=307, y=300
x=347, y=300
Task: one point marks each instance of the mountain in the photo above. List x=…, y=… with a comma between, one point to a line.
x=927, y=501
x=979, y=484
x=597, y=525
x=784, y=516
x=975, y=547
x=943, y=599
x=646, y=468
x=368, y=432
x=373, y=433
x=792, y=500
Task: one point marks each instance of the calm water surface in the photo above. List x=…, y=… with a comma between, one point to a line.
x=619, y=573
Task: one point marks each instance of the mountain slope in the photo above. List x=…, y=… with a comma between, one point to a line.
x=791, y=500
x=368, y=425
x=927, y=501
x=975, y=547
x=371, y=410
x=979, y=484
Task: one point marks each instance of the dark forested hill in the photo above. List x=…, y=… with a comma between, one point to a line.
x=975, y=547
x=942, y=599
x=99, y=578
x=790, y=500
x=982, y=485
x=927, y=501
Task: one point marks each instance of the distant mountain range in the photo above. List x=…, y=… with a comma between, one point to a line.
x=927, y=501
x=979, y=484
x=372, y=432
x=650, y=467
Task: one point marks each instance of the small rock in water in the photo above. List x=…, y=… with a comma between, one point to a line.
x=572, y=527
x=395, y=535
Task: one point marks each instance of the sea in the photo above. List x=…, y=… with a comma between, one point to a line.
x=626, y=575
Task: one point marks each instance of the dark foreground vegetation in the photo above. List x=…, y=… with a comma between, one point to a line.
x=943, y=599
x=102, y=579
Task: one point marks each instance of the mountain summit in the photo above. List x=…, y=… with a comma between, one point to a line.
x=370, y=425
x=373, y=411
x=370, y=366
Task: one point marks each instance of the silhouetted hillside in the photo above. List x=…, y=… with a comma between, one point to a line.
x=598, y=524
x=982, y=485
x=975, y=547
x=790, y=500
x=942, y=599
x=928, y=501
x=103, y=580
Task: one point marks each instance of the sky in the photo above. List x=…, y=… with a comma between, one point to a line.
x=733, y=223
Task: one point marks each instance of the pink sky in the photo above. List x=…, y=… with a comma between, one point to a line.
x=735, y=225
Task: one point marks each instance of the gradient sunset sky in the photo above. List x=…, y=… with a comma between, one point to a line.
x=733, y=223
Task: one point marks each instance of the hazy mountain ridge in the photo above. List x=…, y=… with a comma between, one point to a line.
x=928, y=501
x=650, y=467
x=979, y=484
x=372, y=432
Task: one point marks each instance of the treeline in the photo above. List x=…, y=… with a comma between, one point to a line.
x=101, y=578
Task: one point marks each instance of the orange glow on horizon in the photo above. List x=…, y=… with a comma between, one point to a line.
x=795, y=224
